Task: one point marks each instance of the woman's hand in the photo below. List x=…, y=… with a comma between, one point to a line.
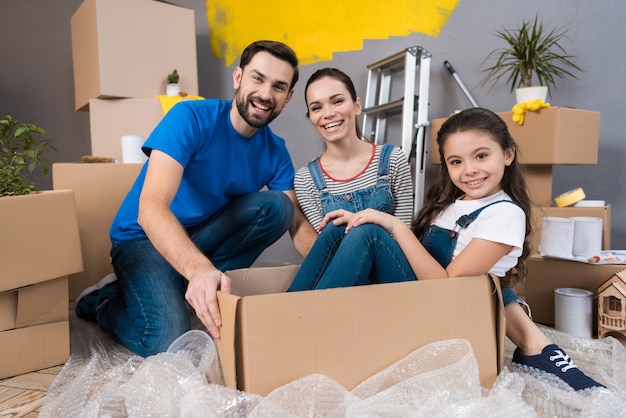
x=351, y=220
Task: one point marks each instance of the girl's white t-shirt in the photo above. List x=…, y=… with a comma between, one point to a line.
x=503, y=222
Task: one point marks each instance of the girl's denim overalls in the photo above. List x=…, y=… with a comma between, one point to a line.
x=377, y=197
x=440, y=243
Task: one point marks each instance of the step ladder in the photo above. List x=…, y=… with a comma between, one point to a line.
x=412, y=107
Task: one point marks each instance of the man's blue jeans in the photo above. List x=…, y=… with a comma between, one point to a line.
x=151, y=312
x=366, y=254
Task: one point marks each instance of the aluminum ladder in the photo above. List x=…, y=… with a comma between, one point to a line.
x=379, y=106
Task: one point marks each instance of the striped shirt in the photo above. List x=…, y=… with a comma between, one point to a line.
x=400, y=183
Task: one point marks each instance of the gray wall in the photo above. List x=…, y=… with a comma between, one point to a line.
x=36, y=81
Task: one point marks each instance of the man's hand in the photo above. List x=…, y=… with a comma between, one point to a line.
x=202, y=296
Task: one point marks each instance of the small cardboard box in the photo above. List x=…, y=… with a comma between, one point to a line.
x=39, y=239
x=556, y=135
x=99, y=189
x=270, y=339
x=126, y=49
x=109, y=119
x=545, y=275
x=538, y=213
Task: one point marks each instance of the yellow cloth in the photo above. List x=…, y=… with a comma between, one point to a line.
x=168, y=101
x=520, y=109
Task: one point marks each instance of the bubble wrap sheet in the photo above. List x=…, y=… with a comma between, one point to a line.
x=103, y=379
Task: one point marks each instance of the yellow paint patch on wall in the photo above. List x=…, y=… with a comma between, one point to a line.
x=317, y=29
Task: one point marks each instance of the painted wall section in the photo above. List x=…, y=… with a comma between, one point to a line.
x=315, y=30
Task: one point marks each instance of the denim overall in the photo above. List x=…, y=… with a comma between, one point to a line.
x=376, y=197
x=440, y=243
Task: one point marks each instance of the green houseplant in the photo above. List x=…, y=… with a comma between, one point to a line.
x=532, y=51
x=172, y=87
x=20, y=153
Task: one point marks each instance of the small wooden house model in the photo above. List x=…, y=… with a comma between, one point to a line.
x=612, y=305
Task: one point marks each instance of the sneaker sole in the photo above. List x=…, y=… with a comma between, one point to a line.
x=109, y=278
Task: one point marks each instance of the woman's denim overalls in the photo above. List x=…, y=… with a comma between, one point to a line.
x=377, y=197
x=440, y=243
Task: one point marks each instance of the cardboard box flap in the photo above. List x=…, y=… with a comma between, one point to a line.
x=500, y=321
x=262, y=280
x=350, y=334
x=43, y=303
x=226, y=343
x=8, y=309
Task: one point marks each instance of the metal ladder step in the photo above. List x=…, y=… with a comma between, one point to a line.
x=379, y=106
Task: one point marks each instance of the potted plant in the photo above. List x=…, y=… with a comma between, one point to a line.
x=173, y=88
x=20, y=153
x=533, y=52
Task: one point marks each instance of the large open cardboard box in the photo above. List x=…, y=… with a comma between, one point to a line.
x=99, y=189
x=126, y=49
x=271, y=338
x=556, y=135
x=39, y=247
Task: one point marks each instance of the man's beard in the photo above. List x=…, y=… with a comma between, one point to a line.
x=254, y=121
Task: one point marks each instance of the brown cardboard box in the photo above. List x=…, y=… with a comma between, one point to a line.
x=349, y=334
x=545, y=275
x=99, y=189
x=557, y=135
x=126, y=49
x=39, y=239
x=538, y=213
x=34, y=348
x=109, y=119
x=539, y=183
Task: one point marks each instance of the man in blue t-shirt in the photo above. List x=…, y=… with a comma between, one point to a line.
x=197, y=208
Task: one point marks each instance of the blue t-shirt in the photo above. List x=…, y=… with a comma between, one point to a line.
x=219, y=164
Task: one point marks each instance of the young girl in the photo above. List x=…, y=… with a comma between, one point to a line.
x=351, y=174
x=475, y=220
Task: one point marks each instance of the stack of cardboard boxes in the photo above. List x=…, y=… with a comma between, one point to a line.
x=551, y=136
x=122, y=53
x=39, y=248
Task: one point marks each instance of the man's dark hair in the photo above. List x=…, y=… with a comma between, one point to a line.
x=277, y=49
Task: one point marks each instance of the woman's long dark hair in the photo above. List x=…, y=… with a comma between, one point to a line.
x=443, y=192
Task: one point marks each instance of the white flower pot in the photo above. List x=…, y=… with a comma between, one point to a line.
x=172, y=89
x=524, y=94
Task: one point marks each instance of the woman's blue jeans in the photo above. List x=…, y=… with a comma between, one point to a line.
x=366, y=254
x=151, y=311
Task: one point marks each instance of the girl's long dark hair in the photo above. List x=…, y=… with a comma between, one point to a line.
x=443, y=192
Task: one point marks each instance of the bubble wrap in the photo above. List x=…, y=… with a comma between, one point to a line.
x=103, y=379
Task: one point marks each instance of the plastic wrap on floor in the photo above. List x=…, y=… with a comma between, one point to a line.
x=103, y=379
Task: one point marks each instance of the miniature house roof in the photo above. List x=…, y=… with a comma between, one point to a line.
x=615, y=280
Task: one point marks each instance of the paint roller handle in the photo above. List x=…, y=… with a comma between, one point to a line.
x=449, y=67
x=460, y=83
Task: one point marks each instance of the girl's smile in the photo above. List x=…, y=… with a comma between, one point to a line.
x=476, y=163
